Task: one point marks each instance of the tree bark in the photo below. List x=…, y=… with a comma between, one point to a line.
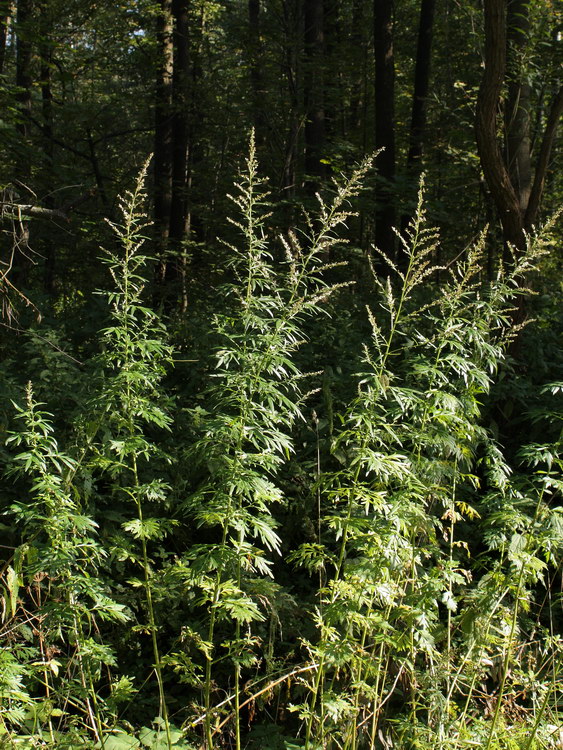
x=358, y=53
x=163, y=137
x=6, y=10
x=492, y=163
x=384, y=123
x=314, y=92
x=419, y=99
x=176, y=266
x=23, y=82
x=180, y=123
x=171, y=145
x=555, y=113
x=421, y=83
x=517, y=111
x=46, y=54
x=25, y=11
x=255, y=58
x=292, y=69
x=515, y=195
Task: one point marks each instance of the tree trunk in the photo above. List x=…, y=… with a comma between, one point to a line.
x=421, y=83
x=23, y=82
x=314, y=92
x=255, y=59
x=46, y=54
x=554, y=117
x=384, y=124
x=517, y=111
x=176, y=267
x=24, y=33
x=492, y=163
x=516, y=196
x=517, y=201
x=358, y=53
x=420, y=98
x=291, y=31
x=6, y=10
x=163, y=137
x=180, y=130
x=171, y=146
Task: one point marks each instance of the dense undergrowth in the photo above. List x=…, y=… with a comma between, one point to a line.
x=308, y=533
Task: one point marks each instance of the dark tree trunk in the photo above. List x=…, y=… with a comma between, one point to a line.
x=23, y=82
x=196, y=231
x=163, y=138
x=420, y=97
x=517, y=200
x=333, y=72
x=171, y=147
x=494, y=168
x=180, y=123
x=255, y=60
x=46, y=54
x=517, y=110
x=553, y=119
x=176, y=267
x=314, y=92
x=516, y=197
x=24, y=33
x=384, y=124
x=358, y=53
x=291, y=29
x=95, y=164
x=421, y=83
x=6, y=7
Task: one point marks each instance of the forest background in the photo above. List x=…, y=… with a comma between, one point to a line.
x=281, y=461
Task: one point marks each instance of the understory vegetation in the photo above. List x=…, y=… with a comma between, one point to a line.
x=312, y=514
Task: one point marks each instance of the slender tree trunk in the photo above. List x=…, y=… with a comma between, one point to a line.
x=550, y=132
x=361, y=61
x=517, y=110
x=171, y=146
x=95, y=164
x=196, y=231
x=494, y=168
x=163, y=137
x=23, y=82
x=420, y=96
x=314, y=92
x=291, y=29
x=46, y=55
x=421, y=83
x=176, y=268
x=384, y=124
x=358, y=55
x=516, y=196
x=255, y=59
x=25, y=9
x=6, y=10
x=180, y=123
x=333, y=71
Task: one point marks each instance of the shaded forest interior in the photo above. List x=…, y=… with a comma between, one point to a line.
x=282, y=374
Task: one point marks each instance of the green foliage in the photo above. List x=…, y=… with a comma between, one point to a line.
x=56, y=564
x=153, y=569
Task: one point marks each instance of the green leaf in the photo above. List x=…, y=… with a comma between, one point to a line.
x=119, y=741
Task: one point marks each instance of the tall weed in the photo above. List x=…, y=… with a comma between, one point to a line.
x=149, y=574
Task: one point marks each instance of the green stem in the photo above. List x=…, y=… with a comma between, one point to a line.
x=543, y=706
x=152, y=618
x=405, y=290
x=506, y=661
